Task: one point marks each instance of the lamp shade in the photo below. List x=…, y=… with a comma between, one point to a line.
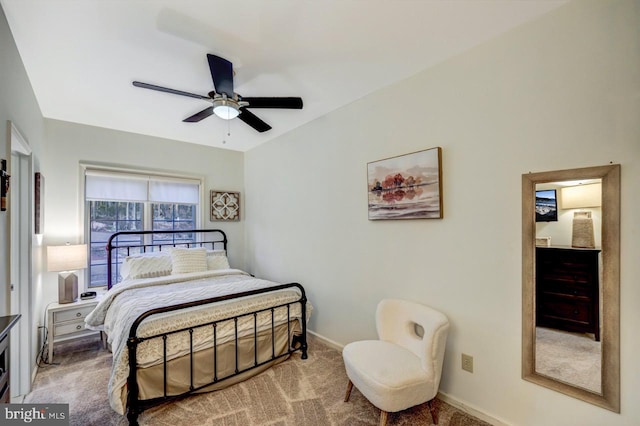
x=581, y=196
x=66, y=258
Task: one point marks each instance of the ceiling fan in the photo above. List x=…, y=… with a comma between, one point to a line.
x=226, y=103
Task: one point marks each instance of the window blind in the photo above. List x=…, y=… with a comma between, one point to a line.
x=116, y=186
x=173, y=192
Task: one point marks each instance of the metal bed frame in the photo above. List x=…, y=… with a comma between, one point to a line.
x=135, y=406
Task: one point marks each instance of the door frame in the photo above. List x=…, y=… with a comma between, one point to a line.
x=20, y=222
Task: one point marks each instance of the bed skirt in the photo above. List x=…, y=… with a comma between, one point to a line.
x=178, y=371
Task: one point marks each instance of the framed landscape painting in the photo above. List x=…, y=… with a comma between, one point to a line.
x=406, y=187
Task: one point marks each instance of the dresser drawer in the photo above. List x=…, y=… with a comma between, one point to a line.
x=78, y=313
x=583, y=277
x=566, y=310
x=566, y=288
x=68, y=328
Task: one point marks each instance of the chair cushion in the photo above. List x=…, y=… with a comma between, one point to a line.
x=389, y=376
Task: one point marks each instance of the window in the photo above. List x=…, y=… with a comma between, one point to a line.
x=105, y=219
x=131, y=202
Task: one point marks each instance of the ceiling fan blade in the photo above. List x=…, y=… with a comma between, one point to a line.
x=199, y=116
x=164, y=89
x=285, y=103
x=252, y=120
x=222, y=74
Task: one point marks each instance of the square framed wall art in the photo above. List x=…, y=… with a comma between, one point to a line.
x=225, y=205
x=408, y=186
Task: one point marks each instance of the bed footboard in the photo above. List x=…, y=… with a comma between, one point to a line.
x=135, y=405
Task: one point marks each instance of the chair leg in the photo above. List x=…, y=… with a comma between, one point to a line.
x=349, y=387
x=434, y=413
x=383, y=418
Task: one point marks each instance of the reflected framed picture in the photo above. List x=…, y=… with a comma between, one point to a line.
x=408, y=186
x=546, y=205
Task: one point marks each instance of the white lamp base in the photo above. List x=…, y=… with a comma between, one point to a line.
x=67, y=287
x=582, y=235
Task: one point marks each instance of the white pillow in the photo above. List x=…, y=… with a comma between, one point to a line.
x=188, y=260
x=217, y=259
x=146, y=265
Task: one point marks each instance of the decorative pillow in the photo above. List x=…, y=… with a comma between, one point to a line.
x=188, y=260
x=146, y=265
x=217, y=259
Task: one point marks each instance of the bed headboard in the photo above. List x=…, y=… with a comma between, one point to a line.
x=126, y=243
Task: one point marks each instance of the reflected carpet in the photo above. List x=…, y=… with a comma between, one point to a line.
x=573, y=358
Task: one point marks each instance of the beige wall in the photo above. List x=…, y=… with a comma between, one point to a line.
x=561, y=92
x=69, y=144
x=58, y=147
x=558, y=93
x=17, y=104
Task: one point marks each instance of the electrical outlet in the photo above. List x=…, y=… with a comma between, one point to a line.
x=467, y=363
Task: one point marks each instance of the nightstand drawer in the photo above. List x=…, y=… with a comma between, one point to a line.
x=78, y=313
x=68, y=328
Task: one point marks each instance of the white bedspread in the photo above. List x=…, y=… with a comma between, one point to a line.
x=121, y=305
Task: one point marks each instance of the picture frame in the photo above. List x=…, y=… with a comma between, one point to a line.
x=225, y=205
x=543, y=241
x=407, y=186
x=38, y=209
x=546, y=205
x=4, y=185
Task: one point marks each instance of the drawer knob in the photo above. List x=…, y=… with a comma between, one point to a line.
x=78, y=327
x=575, y=312
x=78, y=314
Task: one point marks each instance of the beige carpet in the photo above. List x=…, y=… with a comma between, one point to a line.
x=573, y=358
x=295, y=392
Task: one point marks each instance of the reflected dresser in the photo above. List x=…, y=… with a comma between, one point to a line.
x=568, y=289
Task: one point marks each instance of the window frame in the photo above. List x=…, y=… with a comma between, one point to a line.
x=147, y=219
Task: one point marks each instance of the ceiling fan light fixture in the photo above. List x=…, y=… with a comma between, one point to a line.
x=225, y=109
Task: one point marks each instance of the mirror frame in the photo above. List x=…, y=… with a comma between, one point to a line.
x=610, y=327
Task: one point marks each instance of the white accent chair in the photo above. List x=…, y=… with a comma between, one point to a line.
x=404, y=367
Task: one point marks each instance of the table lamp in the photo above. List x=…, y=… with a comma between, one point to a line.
x=66, y=260
x=580, y=197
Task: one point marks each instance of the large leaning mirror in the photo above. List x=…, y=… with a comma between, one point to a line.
x=570, y=282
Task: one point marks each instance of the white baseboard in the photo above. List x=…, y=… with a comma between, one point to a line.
x=473, y=411
x=17, y=399
x=333, y=344
x=34, y=371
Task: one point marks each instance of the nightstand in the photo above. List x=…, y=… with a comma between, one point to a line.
x=66, y=321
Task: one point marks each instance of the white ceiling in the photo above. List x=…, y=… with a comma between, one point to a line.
x=81, y=56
